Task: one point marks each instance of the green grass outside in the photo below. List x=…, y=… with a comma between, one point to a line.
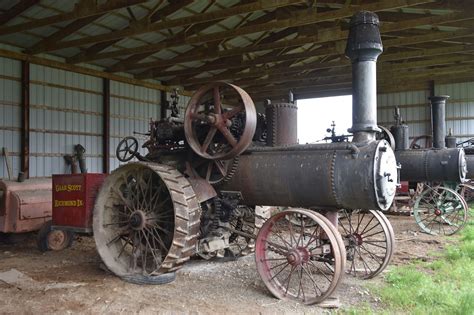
x=444, y=286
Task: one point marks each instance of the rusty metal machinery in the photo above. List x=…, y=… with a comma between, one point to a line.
x=434, y=176
x=282, y=125
x=195, y=190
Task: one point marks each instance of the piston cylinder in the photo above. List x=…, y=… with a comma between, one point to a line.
x=450, y=141
x=428, y=165
x=400, y=134
x=331, y=176
x=282, y=122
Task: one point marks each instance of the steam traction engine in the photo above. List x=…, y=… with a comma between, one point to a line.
x=433, y=173
x=196, y=189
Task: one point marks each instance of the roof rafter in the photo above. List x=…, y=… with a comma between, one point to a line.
x=156, y=15
x=16, y=10
x=193, y=19
x=303, y=18
x=83, y=9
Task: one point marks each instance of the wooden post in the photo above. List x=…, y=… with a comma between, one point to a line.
x=106, y=126
x=25, y=118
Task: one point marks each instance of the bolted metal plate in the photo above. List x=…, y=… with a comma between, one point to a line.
x=385, y=174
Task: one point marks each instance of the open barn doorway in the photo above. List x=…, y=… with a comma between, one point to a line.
x=316, y=115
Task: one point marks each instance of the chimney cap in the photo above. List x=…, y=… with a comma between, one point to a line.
x=364, y=42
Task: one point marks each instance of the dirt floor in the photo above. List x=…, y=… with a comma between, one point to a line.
x=72, y=281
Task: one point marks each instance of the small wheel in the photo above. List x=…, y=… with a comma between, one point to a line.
x=422, y=142
x=440, y=211
x=56, y=240
x=301, y=263
x=127, y=149
x=216, y=133
x=385, y=134
x=369, y=240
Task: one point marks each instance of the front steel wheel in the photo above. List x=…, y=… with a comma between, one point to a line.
x=302, y=262
x=369, y=240
x=440, y=211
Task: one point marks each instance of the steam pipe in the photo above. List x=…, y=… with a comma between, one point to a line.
x=438, y=120
x=364, y=45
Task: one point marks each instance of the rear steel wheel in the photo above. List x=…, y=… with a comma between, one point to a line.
x=146, y=220
x=300, y=262
x=440, y=211
x=369, y=240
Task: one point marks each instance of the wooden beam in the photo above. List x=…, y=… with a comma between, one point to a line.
x=284, y=72
x=84, y=9
x=190, y=20
x=344, y=76
x=155, y=16
x=242, y=65
x=25, y=118
x=195, y=29
x=61, y=34
x=87, y=71
x=339, y=44
x=302, y=18
x=16, y=10
x=271, y=38
x=106, y=125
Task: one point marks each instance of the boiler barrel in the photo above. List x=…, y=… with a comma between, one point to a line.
x=432, y=165
x=329, y=176
x=470, y=166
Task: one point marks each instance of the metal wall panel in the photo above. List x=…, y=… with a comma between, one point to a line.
x=66, y=109
x=459, y=108
x=10, y=114
x=131, y=108
x=414, y=108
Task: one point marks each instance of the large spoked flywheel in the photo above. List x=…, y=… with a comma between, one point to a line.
x=303, y=261
x=369, y=240
x=440, y=211
x=146, y=221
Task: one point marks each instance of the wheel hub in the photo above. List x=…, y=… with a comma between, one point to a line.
x=298, y=256
x=137, y=220
x=356, y=239
x=438, y=212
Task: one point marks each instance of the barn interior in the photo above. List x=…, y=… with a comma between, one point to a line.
x=77, y=78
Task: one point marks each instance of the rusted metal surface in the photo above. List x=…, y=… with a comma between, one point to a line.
x=25, y=206
x=321, y=247
x=282, y=123
x=470, y=166
x=400, y=135
x=432, y=165
x=314, y=178
x=152, y=202
x=219, y=121
x=25, y=118
x=73, y=201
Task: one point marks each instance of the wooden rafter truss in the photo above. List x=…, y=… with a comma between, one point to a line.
x=266, y=46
